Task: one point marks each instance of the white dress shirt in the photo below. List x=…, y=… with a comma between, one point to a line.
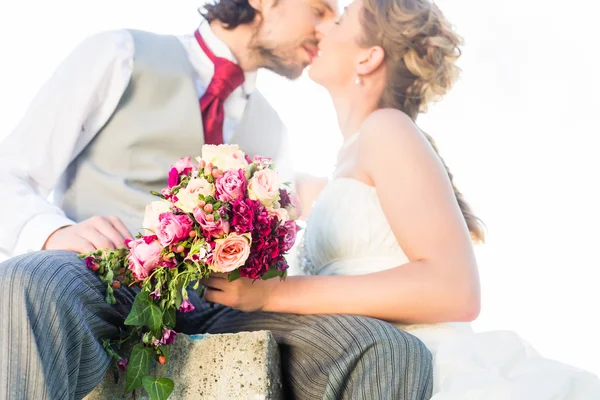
x=70, y=109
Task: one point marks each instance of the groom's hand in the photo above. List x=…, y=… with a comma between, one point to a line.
x=90, y=235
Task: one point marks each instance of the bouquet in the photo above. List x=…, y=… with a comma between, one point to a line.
x=225, y=213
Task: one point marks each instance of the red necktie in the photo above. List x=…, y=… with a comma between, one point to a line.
x=228, y=76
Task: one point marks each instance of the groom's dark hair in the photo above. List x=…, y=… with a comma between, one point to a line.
x=231, y=13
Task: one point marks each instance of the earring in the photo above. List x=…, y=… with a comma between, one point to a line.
x=357, y=80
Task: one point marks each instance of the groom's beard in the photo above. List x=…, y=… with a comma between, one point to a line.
x=282, y=60
x=278, y=62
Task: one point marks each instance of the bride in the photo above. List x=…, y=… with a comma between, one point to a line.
x=390, y=237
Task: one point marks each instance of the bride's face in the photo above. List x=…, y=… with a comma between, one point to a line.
x=339, y=51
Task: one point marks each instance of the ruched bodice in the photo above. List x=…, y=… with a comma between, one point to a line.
x=347, y=233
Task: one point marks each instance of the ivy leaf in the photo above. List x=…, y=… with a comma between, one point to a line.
x=196, y=285
x=145, y=313
x=234, y=275
x=169, y=318
x=158, y=389
x=273, y=272
x=138, y=367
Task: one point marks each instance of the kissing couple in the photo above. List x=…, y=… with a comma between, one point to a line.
x=390, y=280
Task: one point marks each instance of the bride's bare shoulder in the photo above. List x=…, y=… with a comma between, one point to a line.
x=389, y=133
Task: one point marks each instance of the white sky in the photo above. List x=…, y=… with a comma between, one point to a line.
x=520, y=132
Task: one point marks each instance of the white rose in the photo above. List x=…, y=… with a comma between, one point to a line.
x=224, y=157
x=264, y=187
x=187, y=197
x=281, y=213
x=153, y=211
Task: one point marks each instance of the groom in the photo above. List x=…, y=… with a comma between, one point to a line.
x=101, y=134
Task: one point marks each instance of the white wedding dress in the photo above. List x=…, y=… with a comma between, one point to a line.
x=342, y=238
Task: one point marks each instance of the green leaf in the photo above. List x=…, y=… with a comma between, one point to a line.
x=153, y=193
x=108, y=279
x=145, y=313
x=169, y=319
x=110, y=298
x=138, y=367
x=176, y=294
x=165, y=350
x=273, y=272
x=233, y=275
x=158, y=389
x=196, y=285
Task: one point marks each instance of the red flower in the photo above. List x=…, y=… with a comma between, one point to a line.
x=284, y=198
x=244, y=212
x=173, y=177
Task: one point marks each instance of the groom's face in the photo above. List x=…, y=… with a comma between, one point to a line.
x=285, y=40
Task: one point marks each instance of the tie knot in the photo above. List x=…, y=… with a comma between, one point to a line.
x=228, y=76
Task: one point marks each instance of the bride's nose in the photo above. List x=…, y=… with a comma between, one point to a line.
x=323, y=28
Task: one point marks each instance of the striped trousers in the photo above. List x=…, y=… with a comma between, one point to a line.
x=53, y=317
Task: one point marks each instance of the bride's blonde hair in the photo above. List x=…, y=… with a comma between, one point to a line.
x=420, y=52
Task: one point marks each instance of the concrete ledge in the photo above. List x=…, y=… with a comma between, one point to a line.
x=214, y=367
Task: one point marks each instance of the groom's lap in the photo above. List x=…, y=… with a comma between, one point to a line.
x=315, y=349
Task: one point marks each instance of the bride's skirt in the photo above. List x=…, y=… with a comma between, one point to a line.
x=497, y=365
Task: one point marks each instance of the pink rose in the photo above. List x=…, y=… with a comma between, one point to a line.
x=173, y=228
x=184, y=165
x=211, y=227
x=231, y=252
x=232, y=185
x=287, y=235
x=144, y=256
x=264, y=187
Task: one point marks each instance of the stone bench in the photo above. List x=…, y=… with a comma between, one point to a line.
x=213, y=367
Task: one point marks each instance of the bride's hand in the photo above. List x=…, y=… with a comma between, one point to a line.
x=243, y=294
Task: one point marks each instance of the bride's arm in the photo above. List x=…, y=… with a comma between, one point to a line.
x=439, y=284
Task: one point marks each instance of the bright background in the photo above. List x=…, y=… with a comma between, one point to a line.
x=520, y=132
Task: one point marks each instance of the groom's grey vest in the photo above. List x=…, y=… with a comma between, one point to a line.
x=156, y=123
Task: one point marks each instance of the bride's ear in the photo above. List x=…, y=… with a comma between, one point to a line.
x=370, y=60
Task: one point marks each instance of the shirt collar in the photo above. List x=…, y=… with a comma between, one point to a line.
x=220, y=49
